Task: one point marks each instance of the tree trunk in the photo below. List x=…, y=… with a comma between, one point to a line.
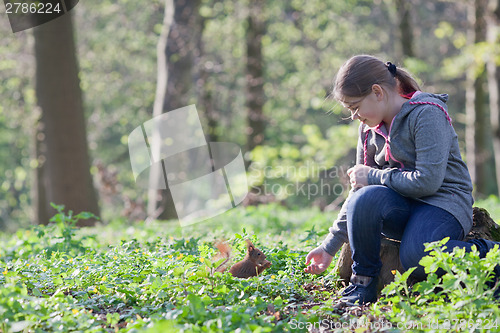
x=39, y=191
x=206, y=91
x=182, y=51
x=404, y=10
x=493, y=22
x=475, y=133
x=255, y=75
x=154, y=197
x=179, y=55
x=59, y=96
x=483, y=227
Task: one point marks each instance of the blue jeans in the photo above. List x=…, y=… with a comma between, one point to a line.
x=377, y=210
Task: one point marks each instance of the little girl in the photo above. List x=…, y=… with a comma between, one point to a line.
x=409, y=182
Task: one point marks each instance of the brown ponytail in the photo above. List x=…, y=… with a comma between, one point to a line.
x=357, y=76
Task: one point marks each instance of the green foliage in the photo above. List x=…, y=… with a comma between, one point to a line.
x=316, y=169
x=158, y=278
x=459, y=298
x=117, y=57
x=109, y=278
x=17, y=116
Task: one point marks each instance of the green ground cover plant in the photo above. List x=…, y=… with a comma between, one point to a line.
x=156, y=277
x=461, y=299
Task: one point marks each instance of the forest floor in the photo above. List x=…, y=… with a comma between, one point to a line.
x=156, y=277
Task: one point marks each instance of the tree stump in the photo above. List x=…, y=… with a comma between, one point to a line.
x=483, y=226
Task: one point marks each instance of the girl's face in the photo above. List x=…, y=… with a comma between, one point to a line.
x=370, y=110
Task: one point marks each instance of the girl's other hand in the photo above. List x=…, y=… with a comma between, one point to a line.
x=358, y=175
x=317, y=261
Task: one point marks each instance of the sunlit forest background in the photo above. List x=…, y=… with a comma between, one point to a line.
x=259, y=73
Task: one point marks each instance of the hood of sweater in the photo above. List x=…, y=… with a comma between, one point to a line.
x=422, y=98
x=384, y=139
x=405, y=124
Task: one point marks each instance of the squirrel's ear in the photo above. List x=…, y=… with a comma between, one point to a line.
x=250, y=245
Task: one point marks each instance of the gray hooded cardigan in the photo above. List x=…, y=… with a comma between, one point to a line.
x=418, y=157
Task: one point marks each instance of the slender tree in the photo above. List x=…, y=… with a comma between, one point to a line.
x=66, y=171
x=493, y=69
x=38, y=191
x=160, y=100
x=255, y=97
x=404, y=8
x=206, y=91
x=181, y=53
x=475, y=110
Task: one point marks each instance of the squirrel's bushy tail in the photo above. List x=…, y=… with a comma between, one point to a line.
x=224, y=252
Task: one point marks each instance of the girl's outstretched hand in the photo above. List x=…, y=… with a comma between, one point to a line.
x=317, y=261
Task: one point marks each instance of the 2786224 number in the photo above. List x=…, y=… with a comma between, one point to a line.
x=32, y=8
x=462, y=324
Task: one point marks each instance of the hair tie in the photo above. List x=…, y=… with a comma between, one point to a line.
x=392, y=68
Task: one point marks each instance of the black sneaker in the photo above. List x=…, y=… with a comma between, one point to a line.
x=357, y=293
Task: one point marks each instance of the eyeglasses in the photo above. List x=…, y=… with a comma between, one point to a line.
x=355, y=114
x=355, y=110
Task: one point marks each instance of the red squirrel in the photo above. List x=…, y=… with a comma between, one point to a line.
x=253, y=264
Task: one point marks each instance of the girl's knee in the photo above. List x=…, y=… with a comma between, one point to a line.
x=368, y=197
x=369, y=205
